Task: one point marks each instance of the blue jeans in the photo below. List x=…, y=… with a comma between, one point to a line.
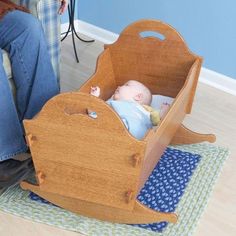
x=21, y=35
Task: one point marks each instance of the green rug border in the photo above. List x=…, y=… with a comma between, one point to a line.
x=190, y=208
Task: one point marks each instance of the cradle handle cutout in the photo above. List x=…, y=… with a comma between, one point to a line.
x=152, y=29
x=153, y=34
x=70, y=111
x=85, y=112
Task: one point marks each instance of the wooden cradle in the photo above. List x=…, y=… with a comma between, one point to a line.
x=95, y=167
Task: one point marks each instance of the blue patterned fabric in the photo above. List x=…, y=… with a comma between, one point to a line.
x=165, y=186
x=167, y=183
x=35, y=197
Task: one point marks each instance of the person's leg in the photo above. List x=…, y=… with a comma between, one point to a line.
x=11, y=133
x=31, y=65
x=11, y=138
x=22, y=36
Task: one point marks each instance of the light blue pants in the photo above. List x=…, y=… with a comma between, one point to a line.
x=21, y=35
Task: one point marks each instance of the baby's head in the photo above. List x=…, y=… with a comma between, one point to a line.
x=133, y=91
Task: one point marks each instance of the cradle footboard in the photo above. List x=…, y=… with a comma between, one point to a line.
x=76, y=156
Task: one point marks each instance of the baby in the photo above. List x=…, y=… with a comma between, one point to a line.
x=129, y=101
x=133, y=91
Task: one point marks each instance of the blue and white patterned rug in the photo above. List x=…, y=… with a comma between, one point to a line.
x=165, y=185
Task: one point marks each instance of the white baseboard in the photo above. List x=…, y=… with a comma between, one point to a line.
x=217, y=80
x=105, y=36
x=92, y=31
x=207, y=76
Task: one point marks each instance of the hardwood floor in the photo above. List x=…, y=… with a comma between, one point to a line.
x=213, y=112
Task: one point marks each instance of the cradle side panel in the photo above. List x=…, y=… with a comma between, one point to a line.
x=103, y=77
x=159, y=139
x=85, y=158
x=162, y=65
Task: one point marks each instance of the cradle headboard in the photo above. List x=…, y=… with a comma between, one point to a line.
x=161, y=64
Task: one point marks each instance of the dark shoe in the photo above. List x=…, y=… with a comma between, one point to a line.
x=10, y=168
x=16, y=180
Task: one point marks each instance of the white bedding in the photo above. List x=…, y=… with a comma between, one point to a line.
x=158, y=100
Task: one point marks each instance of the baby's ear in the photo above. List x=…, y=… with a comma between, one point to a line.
x=138, y=97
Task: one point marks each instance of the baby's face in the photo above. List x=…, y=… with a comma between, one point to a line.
x=128, y=91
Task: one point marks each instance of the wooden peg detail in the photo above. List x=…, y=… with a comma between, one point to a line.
x=40, y=177
x=129, y=195
x=30, y=139
x=136, y=159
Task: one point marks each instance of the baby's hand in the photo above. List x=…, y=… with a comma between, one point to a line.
x=164, y=109
x=95, y=91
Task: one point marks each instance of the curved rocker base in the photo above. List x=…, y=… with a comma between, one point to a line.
x=187, y=136
x=140, y=214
